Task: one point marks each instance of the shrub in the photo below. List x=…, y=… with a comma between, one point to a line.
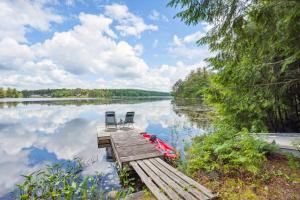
x=228, y=151
x=60, y=181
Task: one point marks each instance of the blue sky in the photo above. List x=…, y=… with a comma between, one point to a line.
x=96, y=44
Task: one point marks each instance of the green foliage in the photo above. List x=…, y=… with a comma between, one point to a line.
x=10, y=92
x=257, y=80
x=228, y=151
x=102, y=93
x=2, y=93
x=126, y=180
x=293, y=162
x=193, y=86
x=60, y=181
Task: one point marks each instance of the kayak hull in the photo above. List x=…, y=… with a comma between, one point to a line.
x=166, y=150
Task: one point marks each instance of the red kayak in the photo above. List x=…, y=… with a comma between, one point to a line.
x=164, y=148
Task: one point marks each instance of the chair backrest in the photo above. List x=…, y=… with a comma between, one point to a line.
x=110, y=118
x=129, y=117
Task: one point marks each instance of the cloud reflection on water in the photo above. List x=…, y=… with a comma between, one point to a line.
x=32, y=135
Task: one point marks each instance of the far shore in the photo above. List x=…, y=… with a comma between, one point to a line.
x=75, y=98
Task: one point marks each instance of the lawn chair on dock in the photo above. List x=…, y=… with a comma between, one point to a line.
x=110, y=120
x=129, y=119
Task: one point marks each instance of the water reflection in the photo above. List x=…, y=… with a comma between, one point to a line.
x=33, y=134
x=195, y=110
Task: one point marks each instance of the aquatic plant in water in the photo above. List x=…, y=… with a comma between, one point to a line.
x=60, y=181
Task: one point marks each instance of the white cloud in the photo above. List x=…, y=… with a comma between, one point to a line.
x=90, y=48
x=194, y=37
x=191, y=53
x=13, y=55
x=191, y=38
x=178, y=71
x=139, y=49
x=155, y=16
x=128, y=23
x=177, y=41
x=17, y=16
x=90, y=55
x=11, y=169
x=186, y=48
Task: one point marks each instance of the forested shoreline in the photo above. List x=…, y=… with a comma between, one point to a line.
x=254, y=87
x=78, y=92
x=256, y=79
x=194, y=85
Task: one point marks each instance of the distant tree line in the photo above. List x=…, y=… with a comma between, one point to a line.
x=10, y=92
x=193, y=86
x=78, y=92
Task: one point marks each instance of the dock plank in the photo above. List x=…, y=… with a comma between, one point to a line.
x=171, y=193
x=199, y=195
x=139, y=157
x=130, y=145
x=135, y=150
x=152, y=187
x=206, y=191
x=181, y=191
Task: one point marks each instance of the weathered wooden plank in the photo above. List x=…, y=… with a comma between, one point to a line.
x=135, y=150
x=124, y=134
x=103, y=141
x=120, y=134
x=184, y=194
x=136, y=145
x=206, y=191
x=181, y=182
x=106, y=137
x=131, y=143
x=172, y=194
x=139, y=157
x=104, y=145
x=126, y=141
x=116, y=153
x=148, y=182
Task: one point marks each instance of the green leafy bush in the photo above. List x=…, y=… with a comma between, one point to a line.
x=227, y=151
x=60, y=181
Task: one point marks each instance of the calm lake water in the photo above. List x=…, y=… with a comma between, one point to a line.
x=36, y=133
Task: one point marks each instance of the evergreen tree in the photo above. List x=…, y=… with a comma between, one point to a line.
x=193, y=86
x=257, y=84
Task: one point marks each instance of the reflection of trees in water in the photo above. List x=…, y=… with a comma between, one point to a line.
x=197, y=114
x=195, y=111
x=80, y=102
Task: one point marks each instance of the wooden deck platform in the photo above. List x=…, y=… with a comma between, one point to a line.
x=166, y=182
x=128, y=145
x=163, y=180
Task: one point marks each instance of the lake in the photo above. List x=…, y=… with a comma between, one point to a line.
x=34, y=133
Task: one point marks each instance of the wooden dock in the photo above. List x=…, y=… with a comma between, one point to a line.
x=128, y=145
x=163, y=180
